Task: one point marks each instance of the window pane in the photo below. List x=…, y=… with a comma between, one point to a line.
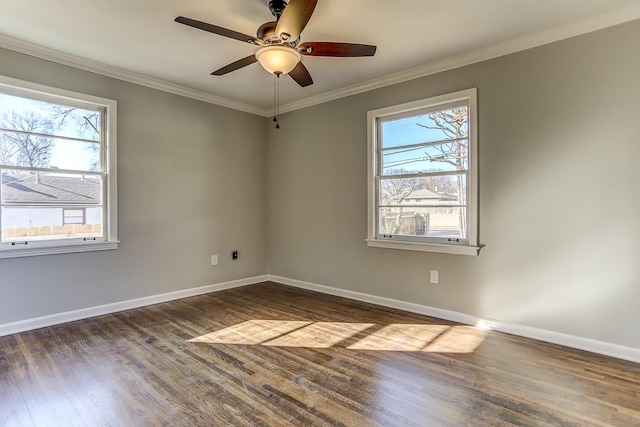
x=447, y=124
x=436, y=190
x=441, y=222
x=440, y=157
x=19, y=149
x=29, y=115
x=42, y=189
x=46, y=223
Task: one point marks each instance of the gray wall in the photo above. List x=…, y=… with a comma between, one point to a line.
x=191, y=181
x=559, y=201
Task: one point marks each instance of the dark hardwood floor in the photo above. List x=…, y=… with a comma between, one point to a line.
x=271, y=355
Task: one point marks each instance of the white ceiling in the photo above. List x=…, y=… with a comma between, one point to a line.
x=139, y=41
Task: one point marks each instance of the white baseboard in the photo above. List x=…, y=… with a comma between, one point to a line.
x=600, y=347
x=85, y=313
x=587, y=344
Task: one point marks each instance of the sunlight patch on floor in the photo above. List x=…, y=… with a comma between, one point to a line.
x=252, y=332
x=320, y=335
x=400, y=337
x=350, y=335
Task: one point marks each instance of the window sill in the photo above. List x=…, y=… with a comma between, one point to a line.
x=53, y=250
x=424, y=247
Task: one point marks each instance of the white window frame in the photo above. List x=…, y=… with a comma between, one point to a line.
x=109, y=155
x=471, y=246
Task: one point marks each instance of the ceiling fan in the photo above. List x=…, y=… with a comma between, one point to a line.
x=280, y=48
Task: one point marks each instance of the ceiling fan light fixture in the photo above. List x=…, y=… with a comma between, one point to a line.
x=278, y=59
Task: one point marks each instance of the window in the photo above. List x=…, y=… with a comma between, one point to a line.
x=423, y=187
x=58, y=170
x=73, y=216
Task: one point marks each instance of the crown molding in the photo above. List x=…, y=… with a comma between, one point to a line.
x=599, y=22
x=595, y=23
x=52, y=55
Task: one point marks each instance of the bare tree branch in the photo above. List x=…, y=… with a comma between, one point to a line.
x=27, y=150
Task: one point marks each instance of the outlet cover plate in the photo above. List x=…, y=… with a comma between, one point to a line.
x=435, y=277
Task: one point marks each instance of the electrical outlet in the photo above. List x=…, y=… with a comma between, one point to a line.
x=435, y=276
x=214, y=259
x=234, y=255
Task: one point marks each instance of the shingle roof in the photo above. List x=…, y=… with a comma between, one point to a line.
x=46, y=189
x=423, y=193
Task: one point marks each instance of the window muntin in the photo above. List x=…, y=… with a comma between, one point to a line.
x=423, y=174
x=57, y=167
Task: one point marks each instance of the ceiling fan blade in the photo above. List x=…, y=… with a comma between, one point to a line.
x=294, y=18
x=336, y=49
x=225, y=32
x=235, y=65
x=301, y=75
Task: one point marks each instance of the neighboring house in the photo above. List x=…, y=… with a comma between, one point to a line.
x=422, y=196
x=425, y=197
x=420, y=221
x=47, y=190
x=49, y=200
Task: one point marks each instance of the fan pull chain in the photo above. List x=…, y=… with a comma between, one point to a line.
x=276, y=99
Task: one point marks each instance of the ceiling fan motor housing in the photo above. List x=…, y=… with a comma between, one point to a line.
x=267, y=32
